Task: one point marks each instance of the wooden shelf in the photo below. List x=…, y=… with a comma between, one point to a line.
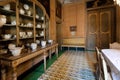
x=25, y=27
x=22, y=20
x=10, y=25
x=40, y=28
x=39, y=20
x=26, y=16
x=7, y=12
x=39, y=36
x=7, y=39
x=26, y=38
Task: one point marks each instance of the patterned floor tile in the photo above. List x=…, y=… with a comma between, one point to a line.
x=71, y=65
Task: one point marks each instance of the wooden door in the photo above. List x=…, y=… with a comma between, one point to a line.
x=92, y=30
x=105, y=29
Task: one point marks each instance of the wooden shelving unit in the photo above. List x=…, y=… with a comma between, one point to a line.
x=23, y=21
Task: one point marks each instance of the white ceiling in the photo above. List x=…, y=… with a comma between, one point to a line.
x=71, y=1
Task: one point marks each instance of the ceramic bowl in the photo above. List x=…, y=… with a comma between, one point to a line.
x=43, y=43
x=11, y=46
x=29, y=13
x=38, y=41
x=37, y=16
x=42, y=33
x=22, y=11
x=2, y=20
x=42, y=18
x=16, y=51
x=13, y=22
x=29, y=34
x=50, y=41
x=7, y=36
x=43, y=25
x=29, y=24
x=23, y=34
x=6, y=7
x=26, y=7
x=38, y=26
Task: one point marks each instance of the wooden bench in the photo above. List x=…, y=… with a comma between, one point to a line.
x=78, y=42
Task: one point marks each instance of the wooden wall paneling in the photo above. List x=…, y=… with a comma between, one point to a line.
x=71, y=18
x=58, y=33
x=81, y=12
x=64, y=30
x=52, y=28
x=73, y=15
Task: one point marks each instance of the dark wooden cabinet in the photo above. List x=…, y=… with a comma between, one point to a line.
x=101, y=27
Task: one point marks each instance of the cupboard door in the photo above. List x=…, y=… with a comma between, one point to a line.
x=92, y=30
x=105, y=29
x=101, y=24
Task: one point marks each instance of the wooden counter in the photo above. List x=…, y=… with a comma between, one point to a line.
x=13, y=66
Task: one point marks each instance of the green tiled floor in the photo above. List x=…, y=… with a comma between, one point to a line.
x=38, y=71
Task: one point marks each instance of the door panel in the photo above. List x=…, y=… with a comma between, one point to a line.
x=104, y=40
x=92, y=31
x=92, y=23
x=105, y=21
x=105, y=28
x=92, y=41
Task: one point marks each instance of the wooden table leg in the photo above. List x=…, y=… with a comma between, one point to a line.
x=3, y=73
x=56, y=52
x=14, y=75
x=50, y=52
x=44, y=61
x=61, y=48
